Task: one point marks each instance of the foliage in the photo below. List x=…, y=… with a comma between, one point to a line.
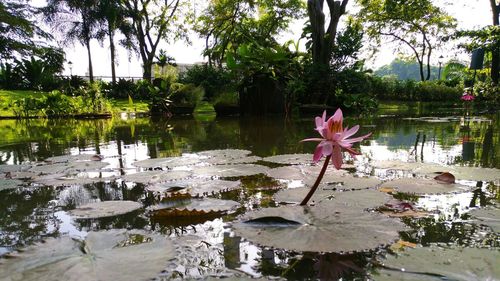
x=348, y=45
x=227, y=24
x=404, y=69
x=158, y=95
x=487, y=38
x=488, y=94
x=227, y=99
x=18, y=30
x=186, y=94
x=417, y=24
x=389, y=88
x=149, y=22
x=214, y=80
x=9, y=78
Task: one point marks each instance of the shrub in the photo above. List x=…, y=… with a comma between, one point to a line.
x=186, y=95
x=214, y=80
x=227, y=99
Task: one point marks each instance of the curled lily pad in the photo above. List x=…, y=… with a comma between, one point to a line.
x=152, y=177
x=320, y=228
x=168, y=162
x=108, y=255
x=193, y=207
x=305, y=173
x=293, y=159
x=104, y=209
x=237, y=170
x=195, y=187
x=68, y=167
x=451, y=264
x=489, y=217
x=9, y=184
x=73, y=158
x=445, y=177
x=424, y=186
x=366, y=198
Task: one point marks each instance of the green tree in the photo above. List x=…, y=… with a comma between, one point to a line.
x=323, y=40
x=417, y=24
x=19, y=33
x=76, y=20
x=227, y=24
x=495, y=55
x=151, y=21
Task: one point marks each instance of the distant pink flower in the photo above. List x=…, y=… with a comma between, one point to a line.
x=467, y=97
x=334, y=138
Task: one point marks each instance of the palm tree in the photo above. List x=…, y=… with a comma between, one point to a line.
x=76, y=20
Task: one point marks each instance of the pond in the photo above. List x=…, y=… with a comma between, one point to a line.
x=215, y=203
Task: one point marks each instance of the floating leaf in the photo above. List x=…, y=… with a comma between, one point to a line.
x=14, y=168
x=452, y=264
x=169, y=162
x=104, y=209
x=320, y=228
x=9, y=184
x=195, y=207
x=423, y=186
x=305, y=173
x=225, y=153
x=293, y=159
x=240, y=160
x=69, y=167
x=360, y=199
x=407, y=213
x=67, y=180
x=475, y=173
x=489, y=217
x=445, y=177
x=152, y=177
x=401, y=244
x=108, y=255
x=74, y=158
x=195, y=187
x=237, y=170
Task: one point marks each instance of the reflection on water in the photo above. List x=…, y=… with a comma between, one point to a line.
x=30, y=214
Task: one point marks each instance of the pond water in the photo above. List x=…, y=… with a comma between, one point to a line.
x=204, y=240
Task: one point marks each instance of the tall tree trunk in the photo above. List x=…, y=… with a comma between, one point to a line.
x=146, y=68
x=91, y=72
x=111, y=34
x=495, y=56
x=323, y=41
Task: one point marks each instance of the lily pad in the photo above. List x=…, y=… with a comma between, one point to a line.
x=451, y=264
x=9, y=184
x=195, y=207
x=108, y=255
x=237, y=170
x=359, y=199
x=67, y=180
x=305, y=173
x=168, y=162
x=225, y=153
x=152, y=177
x=320, y=228
x=293, y=159
x=489, y=217
x=195, y=187
x=104, y=209
x=69, y=167
x=424, y=186
x=73, y=158
x=4, y=168
x=475, y=173
x=239, y=160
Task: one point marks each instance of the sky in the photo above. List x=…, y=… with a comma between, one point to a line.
x=469, y=14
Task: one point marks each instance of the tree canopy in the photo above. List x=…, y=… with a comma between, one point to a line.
x=418, y=25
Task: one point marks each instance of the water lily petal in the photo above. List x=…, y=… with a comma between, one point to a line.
x=349, y=132
x=358, y=139
x=337, y=157
x=318, y=153
x=327, y=148
x=313, y=139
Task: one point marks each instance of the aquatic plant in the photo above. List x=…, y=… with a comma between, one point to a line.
x=334, y=139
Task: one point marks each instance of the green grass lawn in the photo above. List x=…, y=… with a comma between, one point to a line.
x=9, y=96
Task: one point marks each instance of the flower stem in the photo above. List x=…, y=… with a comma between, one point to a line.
x=316, y=183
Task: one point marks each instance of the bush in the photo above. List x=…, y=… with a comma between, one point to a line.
x=186, y=95
x=227, y=99
x=213, y=80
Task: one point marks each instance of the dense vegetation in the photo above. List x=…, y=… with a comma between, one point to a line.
x=247, y=67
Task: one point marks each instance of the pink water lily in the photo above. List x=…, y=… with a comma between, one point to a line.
x=467, y=97
x=334, y=138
